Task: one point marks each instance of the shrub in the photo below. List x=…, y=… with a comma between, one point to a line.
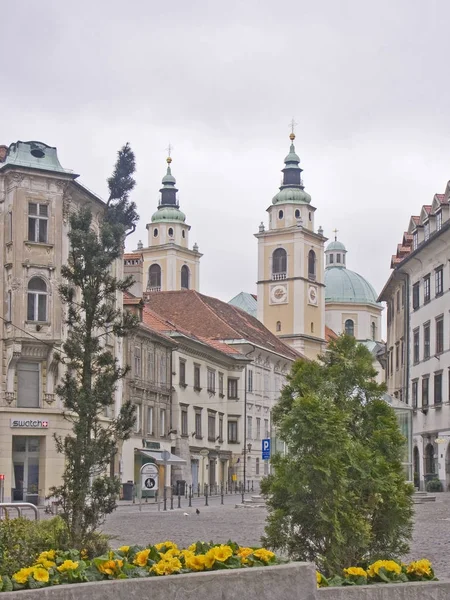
x=21, y=540
x=435, y=485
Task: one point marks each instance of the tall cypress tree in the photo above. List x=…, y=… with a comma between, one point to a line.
x=92, y=371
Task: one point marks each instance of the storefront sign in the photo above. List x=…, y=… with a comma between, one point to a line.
x=29, y=424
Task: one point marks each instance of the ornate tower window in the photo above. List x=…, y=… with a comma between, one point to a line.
x=170, y=232
x=154, y=278
x=374, y=330
x=185, y=276
x=349, y=327
x=311, y=265
x=37, y=300
x=279, y=264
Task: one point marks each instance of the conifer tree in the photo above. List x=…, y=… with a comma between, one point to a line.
x=91, y=371
x=339, y=497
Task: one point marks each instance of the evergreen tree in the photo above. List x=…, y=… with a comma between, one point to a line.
x=92, y=372
x=339, y=497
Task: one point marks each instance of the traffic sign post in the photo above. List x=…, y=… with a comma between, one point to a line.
x=266, y=449
x=149, y=480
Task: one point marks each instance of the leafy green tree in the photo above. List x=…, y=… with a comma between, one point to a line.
x=339, y=497
x=91, y=371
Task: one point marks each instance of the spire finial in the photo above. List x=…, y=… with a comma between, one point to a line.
x=169, y=152
x=335, y=231
x=292, y=125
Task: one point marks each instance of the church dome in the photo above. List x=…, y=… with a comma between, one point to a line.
x=291, y=195
x=343, y=285
x=168, y=213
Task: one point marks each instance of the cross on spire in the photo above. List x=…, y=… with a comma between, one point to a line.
x=169, y=149
x=335, y=231
x=292, y=125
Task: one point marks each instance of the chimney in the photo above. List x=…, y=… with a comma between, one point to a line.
x=133, y=264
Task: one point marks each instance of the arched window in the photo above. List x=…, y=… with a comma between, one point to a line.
x=374, y=330
x=278, y=325
x=155, y=232
x=170, y=232
x=185, y=276
x=279, y=264
x=311, y=264
x=37, y=300
x=429, y=459
x=349, y=327
x=154, y=278
x=280, y=214
x=297, y=214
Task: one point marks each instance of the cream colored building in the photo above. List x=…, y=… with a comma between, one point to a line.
x=169, y=263
x=291, y=288
x=37, y=196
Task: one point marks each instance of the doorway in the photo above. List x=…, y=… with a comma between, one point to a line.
x=25, y=456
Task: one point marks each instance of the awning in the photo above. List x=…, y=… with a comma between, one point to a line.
x=156, y=456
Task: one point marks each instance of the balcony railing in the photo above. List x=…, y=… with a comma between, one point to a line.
x=154, y=289
x=278, y=276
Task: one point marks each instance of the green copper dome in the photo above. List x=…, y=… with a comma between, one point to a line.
x=336, y=246
x=168, y=213
x=291, y=195
x=343, y=285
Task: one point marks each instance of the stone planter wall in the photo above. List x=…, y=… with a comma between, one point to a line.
x=296, y=581
x=431, y=590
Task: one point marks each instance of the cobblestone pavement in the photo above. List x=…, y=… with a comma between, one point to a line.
x=246, y=526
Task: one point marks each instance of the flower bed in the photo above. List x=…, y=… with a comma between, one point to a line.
x=381, y=571
x=129, y=562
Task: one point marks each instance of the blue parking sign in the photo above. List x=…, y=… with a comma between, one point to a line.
x=266, y=449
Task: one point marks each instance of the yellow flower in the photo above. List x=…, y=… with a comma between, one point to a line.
x=41, y=574
x=141, y=558
x=209, y=558
x=318, y=578
x=420, y=567
x=22, y=575
x=244, y=552
x=48, y=555
x=84, y=554
x=389, y=565
x=110, y=567
x=167, y=545
x=221, y=553
x=47, y=564
x=263, y=554
x=186, y=554
x=355, y=572
x=173, y=552
x=167, y=567
x=196, y=563
x=193, y=547
x=68, y=565
x=124, y=549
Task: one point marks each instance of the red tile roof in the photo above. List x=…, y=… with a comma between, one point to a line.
x=427, y=208
x=211, y=319
x=330, y=334
x=133, y=255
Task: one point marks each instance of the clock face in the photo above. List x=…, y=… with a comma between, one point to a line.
x=312, y=295
x=278, y=294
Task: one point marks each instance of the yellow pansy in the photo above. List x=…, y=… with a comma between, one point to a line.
x=355, y=572
x=47, y=564
x=173, y=552
x=41, y=574
x=68, y=565
x=167, y=567
x=263, y=554
x=196, y=563
x=389, y=565
x=124, y=549
x=47, y=555
x=209, y=558
x=84, y=553
x=22, y=575
x=193, y=547
x=420, y=567
x=168, y=545
x=110, y=567
x=221, y=553
x=141, y=558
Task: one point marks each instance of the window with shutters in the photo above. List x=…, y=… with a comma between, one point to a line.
x=211, y=426
x=198, y=424
x=37, y=222
x=416, y=350
x=438, y=388
x=197, y=378
x=426, y=340
x=28, y=384
x=425, y=390
x=37, y=300
x=426, y=288
x=439, y=335
x=439, y=281
x=416, y=295
x=211, y=381
x=184, y=421
x=182, y=378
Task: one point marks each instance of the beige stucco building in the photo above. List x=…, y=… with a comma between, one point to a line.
x=36, y=197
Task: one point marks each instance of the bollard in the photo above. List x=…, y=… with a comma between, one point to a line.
x=252, y=485
x=179, y=498
x=165, y=498
x=206, y=494
x=226, y=487
x=221, y=493
x=190, y=496
x=248, y=486
x=198, y=490
x=171, y=500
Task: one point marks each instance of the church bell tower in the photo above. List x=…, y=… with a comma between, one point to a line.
x=291, y=291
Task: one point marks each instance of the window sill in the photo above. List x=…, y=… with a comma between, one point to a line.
x=39, y=244
x=212, y=392
x=184, y=435
x=37, y=323
x=198, y=437
x=183, y=385
x=197, y=389
x=233, y=398
x=211, y=439
x=438, y=294
x=233, y=442
x=427, y=301
x=438, y=404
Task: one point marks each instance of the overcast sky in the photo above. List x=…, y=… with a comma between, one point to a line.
x=367, y=83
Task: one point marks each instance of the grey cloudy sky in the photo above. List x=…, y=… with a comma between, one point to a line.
x=367, y=83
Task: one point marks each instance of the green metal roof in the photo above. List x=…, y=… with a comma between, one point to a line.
x=34, y=155
x=291, y=195
x=168, y=213
x=343, y=285
x=336, y=246
x=246, y=302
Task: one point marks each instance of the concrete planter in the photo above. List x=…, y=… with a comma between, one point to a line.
x=294, y=581
x=429, y=590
